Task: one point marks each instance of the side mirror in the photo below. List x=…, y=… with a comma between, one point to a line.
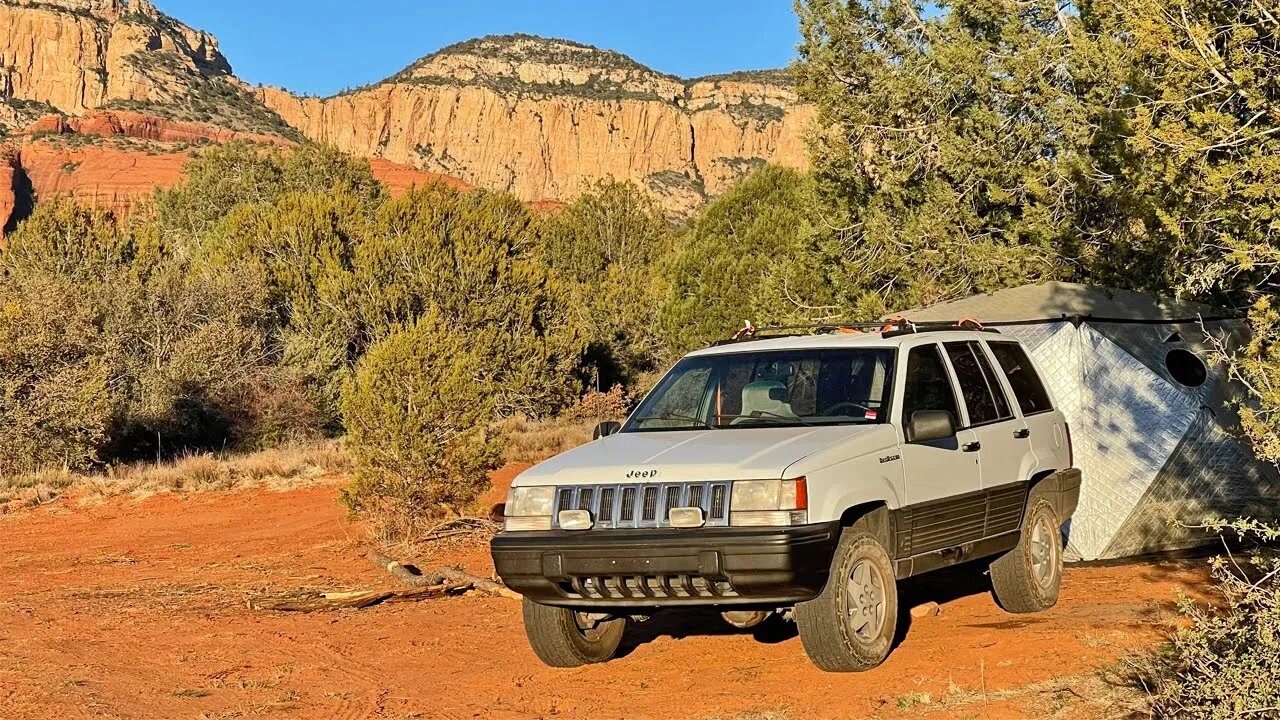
x=929, y=425
x=605, y=429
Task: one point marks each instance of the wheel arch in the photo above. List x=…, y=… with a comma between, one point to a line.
x=879, y=521
x=1060, y=487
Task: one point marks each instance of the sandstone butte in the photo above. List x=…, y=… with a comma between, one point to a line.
x=543, y=119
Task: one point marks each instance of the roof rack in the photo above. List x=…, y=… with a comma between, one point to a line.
x=893, y=327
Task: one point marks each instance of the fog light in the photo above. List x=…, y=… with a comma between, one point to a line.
x=686, y=517
x=769, y=518
x=518, y=524
x=574, y=520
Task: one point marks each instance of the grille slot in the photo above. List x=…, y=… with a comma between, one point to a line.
x=606, y=505
x=650, y=512
x=585, y=496
x=628, y=505
x=695, y=496
x=673, y=501
x=717, y=501
x=564, y=500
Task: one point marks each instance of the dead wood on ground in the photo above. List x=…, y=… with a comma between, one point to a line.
x=319, y=601
x=410, y=575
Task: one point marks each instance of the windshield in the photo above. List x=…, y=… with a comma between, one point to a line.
x=792, y=388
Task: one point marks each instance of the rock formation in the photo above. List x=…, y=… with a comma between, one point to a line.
x=79, y=55
x=543, y=119
x=546, y=118
x=112, y=160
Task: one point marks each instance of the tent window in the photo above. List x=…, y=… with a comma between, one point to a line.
x=1186, y=368
x=1174, y=338
x=1024, y=380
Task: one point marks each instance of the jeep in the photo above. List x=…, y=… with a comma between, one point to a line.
x=802, y=476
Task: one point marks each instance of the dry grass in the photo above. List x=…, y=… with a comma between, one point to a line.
x=531, y=441
x=281, y=468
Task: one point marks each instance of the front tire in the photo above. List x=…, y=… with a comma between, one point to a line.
x=850, y=627
x=1027, y=578
x=565, y=638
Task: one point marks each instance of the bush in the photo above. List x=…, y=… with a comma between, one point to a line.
x=416, y=412
x=55, y=406
x=608, y=246
x=469, y=258
x=597, y=406
x=1224, y=660
x=122, y=351
x=1257, y=368
x=236, y=174
x=754, y=253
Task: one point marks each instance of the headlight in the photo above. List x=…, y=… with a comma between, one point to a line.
x=764, y=503
x=529, y=508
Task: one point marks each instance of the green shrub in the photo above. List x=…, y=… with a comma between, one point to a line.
x=416, y=412
x=1224, y=660
x=469, y=258
x=754, y=253
x=236, y=174
x=159, y=355
x=608, y=246
x=55, y=408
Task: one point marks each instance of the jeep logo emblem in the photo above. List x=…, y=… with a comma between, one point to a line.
x=642, y=474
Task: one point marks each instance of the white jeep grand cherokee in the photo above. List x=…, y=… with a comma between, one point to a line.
x=804, y=476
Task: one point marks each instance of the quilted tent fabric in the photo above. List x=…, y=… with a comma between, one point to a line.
x=1158, y=456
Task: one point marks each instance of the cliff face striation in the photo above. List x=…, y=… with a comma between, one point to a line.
x=72, y=56
x=546, y=118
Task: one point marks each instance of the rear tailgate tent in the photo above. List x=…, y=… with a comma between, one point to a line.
x=1155, y=428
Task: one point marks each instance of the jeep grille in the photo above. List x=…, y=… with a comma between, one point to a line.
x=644, y=506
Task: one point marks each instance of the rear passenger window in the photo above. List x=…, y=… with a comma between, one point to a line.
x=1026, y=383
x=927, y=387
x=982, y=393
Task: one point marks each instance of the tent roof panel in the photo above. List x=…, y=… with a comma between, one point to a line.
x=1052, y=300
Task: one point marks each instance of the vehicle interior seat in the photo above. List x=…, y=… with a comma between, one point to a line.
x=765, y=397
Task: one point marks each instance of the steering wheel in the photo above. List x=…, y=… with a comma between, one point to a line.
x=830, y=411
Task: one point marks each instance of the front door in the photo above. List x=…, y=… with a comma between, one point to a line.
x=945, y=505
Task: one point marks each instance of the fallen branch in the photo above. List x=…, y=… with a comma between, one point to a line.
x=319, y=601
x=462, y=527
x=412, y=576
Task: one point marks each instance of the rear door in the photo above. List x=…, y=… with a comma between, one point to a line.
x=1032, y=397
x=1005, y=454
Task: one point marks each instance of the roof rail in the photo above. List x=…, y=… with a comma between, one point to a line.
x=893, y=327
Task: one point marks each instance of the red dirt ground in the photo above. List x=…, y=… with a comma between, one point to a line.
x=138, y=609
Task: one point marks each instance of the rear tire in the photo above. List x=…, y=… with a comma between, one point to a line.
x=851, y=626
x=564, y=638
x=1027, y=578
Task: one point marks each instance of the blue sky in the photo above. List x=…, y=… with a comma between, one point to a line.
x=323, y=46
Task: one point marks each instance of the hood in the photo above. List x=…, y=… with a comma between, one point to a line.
x=701, y=455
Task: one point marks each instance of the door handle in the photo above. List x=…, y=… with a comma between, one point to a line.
x=1022, y=434
x=972, y=447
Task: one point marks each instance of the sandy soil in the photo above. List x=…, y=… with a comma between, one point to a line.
x=138, y=609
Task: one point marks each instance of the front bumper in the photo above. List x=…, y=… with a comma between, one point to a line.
x=668, y=567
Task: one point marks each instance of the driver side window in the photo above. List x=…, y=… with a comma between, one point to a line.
x=928, y=387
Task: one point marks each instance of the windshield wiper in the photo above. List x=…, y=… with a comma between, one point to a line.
x=674, y=416
x=766, y=415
